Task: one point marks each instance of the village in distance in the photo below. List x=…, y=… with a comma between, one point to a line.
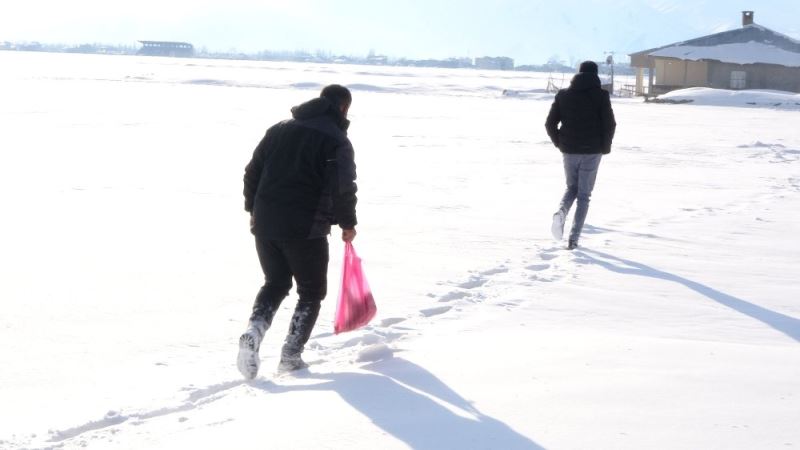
x=186, y=49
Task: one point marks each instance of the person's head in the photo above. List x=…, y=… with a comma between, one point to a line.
x=339, y=96
x=588, y=67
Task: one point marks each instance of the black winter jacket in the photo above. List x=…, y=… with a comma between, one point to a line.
x=301, y=179
x=587, y=120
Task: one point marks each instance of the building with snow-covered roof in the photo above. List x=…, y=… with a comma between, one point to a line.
x=750, y=57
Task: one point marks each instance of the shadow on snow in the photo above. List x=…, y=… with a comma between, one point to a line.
x=787, y=325
x=408, y=402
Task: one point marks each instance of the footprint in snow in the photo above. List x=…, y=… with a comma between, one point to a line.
x=366, y=339
x=541, y=279
x=429, y=312
x=496, y=270
x=391, y=321
x=374, y=353
x=454, y=295
x=473, y=282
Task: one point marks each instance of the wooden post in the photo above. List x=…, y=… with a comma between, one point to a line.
x=639, y=81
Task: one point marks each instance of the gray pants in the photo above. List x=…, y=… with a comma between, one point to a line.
x=581, y=172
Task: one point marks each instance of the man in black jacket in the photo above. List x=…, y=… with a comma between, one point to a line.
x=587, y=129
x=300, y=181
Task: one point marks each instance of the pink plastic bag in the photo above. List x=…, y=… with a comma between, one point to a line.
x=356, y=307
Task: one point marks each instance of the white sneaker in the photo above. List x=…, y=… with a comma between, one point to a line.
x=558, y=225
x=248, y=360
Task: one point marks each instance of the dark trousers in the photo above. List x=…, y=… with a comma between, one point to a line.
x=305, y=260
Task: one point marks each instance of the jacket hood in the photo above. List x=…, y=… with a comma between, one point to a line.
x=585, y=80
x=320, y=107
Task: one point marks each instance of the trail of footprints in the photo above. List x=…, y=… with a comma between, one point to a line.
x=371, y=343
x=542, y=265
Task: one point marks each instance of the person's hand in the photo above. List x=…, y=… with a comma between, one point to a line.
x=349, y=235
x=252, y=222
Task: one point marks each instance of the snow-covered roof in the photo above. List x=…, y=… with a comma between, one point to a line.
x=751, y=44
x=745, y=53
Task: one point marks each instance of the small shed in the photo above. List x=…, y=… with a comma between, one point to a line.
x=750, y=57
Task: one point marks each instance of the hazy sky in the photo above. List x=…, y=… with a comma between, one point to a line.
x=530, y=31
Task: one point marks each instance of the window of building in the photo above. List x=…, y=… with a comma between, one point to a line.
x=738, y=79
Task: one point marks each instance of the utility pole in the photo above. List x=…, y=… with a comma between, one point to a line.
x=610, y=62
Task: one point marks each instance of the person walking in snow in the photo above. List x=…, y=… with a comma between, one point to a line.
x=300, y=181
x=585, y=135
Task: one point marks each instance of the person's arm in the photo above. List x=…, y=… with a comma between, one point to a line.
x=553, y=119
x=252, y=173
x=608, y=123
x=343, y=190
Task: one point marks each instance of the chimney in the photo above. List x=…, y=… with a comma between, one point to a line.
x=747, y=18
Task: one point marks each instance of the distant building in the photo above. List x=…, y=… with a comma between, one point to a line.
x=450, y=63
x=30, y=46
x=89, y=48
x=166, y=48
x=377, y=60
x=751, y=57
x=498, y=63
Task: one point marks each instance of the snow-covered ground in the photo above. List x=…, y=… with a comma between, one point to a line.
x=758, y=98
x=128, y=272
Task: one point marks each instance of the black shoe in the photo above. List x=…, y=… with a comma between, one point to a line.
x=290, y=363
x=572, y=245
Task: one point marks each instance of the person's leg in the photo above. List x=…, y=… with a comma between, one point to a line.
x=571, y=177
x=277, y=280
x=588, y=168
x=277, y=283
x=308, y=260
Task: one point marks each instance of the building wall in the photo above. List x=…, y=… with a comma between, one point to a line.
x=674, y=72
x=758, y=76
x=697, y=73
x=669, y=72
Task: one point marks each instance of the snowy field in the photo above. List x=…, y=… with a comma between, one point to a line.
x=128, y=271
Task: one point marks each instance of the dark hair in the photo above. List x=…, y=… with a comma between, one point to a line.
x=588, y=66
x=337, y=94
